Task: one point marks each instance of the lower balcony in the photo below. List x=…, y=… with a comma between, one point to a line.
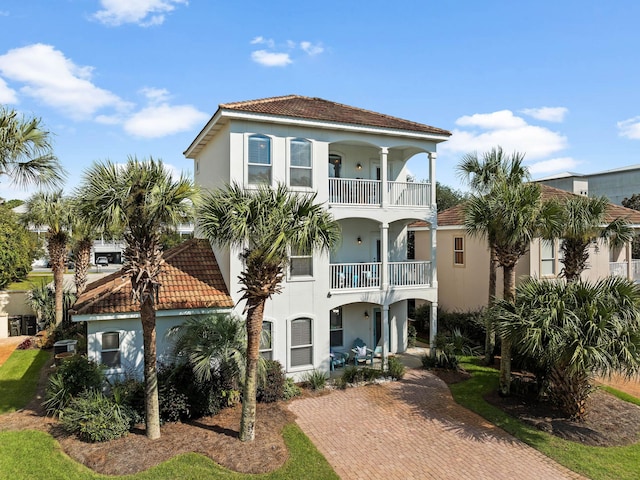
x=623, y=269
x=349, y=276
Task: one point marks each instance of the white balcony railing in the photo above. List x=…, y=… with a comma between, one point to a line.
x=409, y=194
x=619, y=269
x=409, y=273
x=366, y=275
x=355, y=275
x=353, y=191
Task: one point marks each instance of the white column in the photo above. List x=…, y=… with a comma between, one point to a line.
x=384, y=256
x=432, y=177
x=384, y=151
x=385, y=335
x=433, y=329
x=434, y=250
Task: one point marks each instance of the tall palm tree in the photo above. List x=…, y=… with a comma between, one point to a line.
x=53, y=210
x=26, y=155
x=84, y=232
x=140, y=197
x=571, y=331
x=265, y=224
x=515, y=214
x=583, y=224
x=482, y=175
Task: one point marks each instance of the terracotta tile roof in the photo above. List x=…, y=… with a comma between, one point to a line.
x=190, y=279
x=454, y=216
x=314, y=108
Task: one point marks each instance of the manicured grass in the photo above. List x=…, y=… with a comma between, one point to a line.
x=19, y=378
x=36, y=455
x=32, y=278
x=593, y=462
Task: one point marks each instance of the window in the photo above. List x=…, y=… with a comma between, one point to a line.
x=335, y=327
x=266, y=345
x=458, y=250
x=300, y=264
x=301, y=342
x=259, y=163
x=301, y=171
x=111, y=349
x=547, y=258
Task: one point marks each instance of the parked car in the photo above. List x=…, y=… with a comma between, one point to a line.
x=102, y=261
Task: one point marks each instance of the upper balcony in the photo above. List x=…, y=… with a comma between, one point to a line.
x=362, y=192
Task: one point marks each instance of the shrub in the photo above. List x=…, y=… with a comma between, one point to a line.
x=74, y=376
x=290, y=389
x=95, y=418
x=174, y=405
x=444, y=360
x=396, y=368
x=315, y=379
x=353, y=374
x=129, y=395
x=412, y=335
x=471, y=325
x=271, y=385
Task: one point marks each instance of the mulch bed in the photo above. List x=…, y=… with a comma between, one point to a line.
x=609, y=422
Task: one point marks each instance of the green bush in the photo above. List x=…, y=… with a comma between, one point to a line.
x=396, y=368
x=353, y=374
x=444, y=360
x=412, y=335
x=174, y=405
x=129, y=395
x=315, y=379
x=95, y=418
x=74, y=376
x=471, y=325
x=290, y=389
x=271, y=385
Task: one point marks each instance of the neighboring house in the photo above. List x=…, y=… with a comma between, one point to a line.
x=356, y=162
x=616, y=184
x=191, y=284
x=463, y=260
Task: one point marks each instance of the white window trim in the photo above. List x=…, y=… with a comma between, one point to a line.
x=273, y=336
x=553, y=260
x=337, y=329
x=311, y=168
x=246, y=158
x=119, y=349
x=300, y=368
x=463, y=251
x=301, y=278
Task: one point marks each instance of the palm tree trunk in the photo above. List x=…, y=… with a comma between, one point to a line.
x=58, y=256
x=509, y=294
x=490, y=334
x=255, y=312
x=151, y=404
x=82, y=261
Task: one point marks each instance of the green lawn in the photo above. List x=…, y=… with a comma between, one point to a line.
x=32, y=278
x=30, y=454
x=19, y=378
x=594, y=462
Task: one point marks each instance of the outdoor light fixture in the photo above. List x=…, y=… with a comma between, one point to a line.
x=359, y=240
x=359, y=166
x=366, y=314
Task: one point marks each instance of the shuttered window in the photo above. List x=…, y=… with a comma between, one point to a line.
x=259, y=162
x=266, y=346
x=300, y=171
x=458, y=251
x=110, y=354
x=301, y=342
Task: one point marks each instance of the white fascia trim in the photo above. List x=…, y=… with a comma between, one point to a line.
x=450, y=227
x=182, y=312
x=203, y=133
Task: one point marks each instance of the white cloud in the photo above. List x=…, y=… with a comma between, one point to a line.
x=553, y=165
x=7, y=94
x=503, y=128
x=311, y=49
x=263, y=41
x=547, y=114
x=271, y=59
x=155, y=95
x=630, y=128
x=163, y=119
x=142, y=12
x=48, y=76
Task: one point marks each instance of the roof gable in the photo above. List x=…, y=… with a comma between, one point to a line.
x=190, y=279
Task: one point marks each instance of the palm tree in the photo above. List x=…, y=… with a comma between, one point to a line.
x=53, y=210
x=84, y=232
x=571, y=331
x=583, y=224
x=515, y=214
x=26, y=156
x=140, y=197
x=265, y=224
x=482, y=176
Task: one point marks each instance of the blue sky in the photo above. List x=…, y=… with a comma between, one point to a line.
x=557, y=80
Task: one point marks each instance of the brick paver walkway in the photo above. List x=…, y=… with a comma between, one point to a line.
x=413, y=429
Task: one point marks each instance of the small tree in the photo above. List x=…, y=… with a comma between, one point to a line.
x=17, y=249
x=634, y=203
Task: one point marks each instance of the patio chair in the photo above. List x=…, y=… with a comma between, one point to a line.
x=337, y=359
x=361, y=353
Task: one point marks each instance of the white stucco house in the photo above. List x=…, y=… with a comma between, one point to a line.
x=356, y=162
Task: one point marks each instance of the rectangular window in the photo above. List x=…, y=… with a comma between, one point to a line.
x=458, y=250
x=301, y=171
x=259, y=162
x=300, y=265
x=301, y=342
x=335, y=327
x=111, y=349
x=266, y=345
x=547, y=258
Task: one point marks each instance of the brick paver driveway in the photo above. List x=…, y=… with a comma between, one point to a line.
x=413, y=429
